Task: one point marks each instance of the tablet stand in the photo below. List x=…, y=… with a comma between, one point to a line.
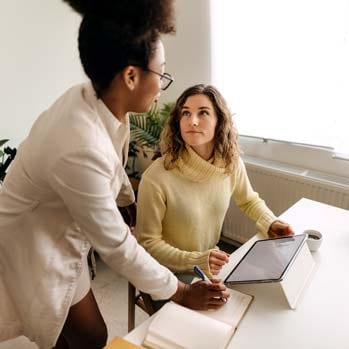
x=297, y=276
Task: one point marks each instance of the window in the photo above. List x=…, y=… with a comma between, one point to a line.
x=283, y=67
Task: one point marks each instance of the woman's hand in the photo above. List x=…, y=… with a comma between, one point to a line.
x=202, y=295
x=279, y=229
x=216, y=260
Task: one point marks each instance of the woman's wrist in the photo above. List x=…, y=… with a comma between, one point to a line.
x=181, y=292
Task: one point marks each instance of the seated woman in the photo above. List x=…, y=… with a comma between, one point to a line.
x=184, y=195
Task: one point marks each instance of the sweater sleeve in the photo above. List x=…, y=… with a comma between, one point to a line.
x=83, y=180
x=151, y=210
x=249, y=201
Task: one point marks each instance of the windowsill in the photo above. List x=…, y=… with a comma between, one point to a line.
x=297, y=157
x=341, y=156
x=296, y=170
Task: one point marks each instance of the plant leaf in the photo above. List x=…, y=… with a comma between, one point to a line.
x=146, y=128
x=3, y=141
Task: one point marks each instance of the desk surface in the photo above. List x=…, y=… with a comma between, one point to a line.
x=321, y=318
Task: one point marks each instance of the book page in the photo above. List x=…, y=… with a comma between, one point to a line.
x=233, y=311
x=177, y=327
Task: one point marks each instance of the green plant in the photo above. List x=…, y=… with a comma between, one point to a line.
x=132, y=154
x=146, y=130
x=2, y=153
x=6, y=156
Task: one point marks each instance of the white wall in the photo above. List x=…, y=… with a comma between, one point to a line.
x=188, y=53
x=39, y=60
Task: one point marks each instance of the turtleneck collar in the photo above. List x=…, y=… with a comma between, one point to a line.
x=196, y=169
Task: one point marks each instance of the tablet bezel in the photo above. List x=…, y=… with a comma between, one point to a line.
x=252, y=281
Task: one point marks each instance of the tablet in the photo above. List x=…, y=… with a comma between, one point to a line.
x=267, y=260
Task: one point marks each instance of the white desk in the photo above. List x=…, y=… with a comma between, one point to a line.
x=321, y=320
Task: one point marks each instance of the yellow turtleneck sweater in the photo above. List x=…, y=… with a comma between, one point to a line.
x=181, y=211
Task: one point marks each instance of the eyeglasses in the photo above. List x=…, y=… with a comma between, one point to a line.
x=166, y=79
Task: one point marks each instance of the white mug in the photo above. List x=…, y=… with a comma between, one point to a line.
x=314, y=239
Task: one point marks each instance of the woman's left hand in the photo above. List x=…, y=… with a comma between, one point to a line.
x=216, y=260
x=279, y=229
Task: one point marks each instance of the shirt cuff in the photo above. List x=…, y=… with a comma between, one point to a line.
x=264, y=222
x=201, y=261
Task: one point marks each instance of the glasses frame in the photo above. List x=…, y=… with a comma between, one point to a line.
x=167, y=77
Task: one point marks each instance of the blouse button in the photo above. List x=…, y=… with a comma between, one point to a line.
x=75, y=265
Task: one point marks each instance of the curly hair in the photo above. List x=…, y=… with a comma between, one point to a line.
x=116, y=33
x=226, y=146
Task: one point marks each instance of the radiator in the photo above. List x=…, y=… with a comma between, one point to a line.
x=280, y=186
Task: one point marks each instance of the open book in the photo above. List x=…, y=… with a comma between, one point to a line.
x=177, y=327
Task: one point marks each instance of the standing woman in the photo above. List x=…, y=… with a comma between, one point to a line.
x=58, y=198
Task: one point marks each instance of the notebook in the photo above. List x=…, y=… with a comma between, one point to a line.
x=177, y=327
x=121, y=343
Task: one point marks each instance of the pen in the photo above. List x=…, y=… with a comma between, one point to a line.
x=204, y=277
x=201, y=274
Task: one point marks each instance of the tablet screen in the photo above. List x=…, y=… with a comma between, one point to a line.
x=267, y=260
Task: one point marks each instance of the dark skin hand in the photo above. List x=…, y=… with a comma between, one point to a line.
x=202, y=295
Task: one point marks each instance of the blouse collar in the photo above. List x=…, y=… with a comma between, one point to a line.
x=118, y=131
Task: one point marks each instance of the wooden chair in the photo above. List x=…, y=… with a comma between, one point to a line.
x=135, y=297
x=143, y=300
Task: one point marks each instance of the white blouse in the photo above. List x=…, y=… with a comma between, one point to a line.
x=58, y=199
